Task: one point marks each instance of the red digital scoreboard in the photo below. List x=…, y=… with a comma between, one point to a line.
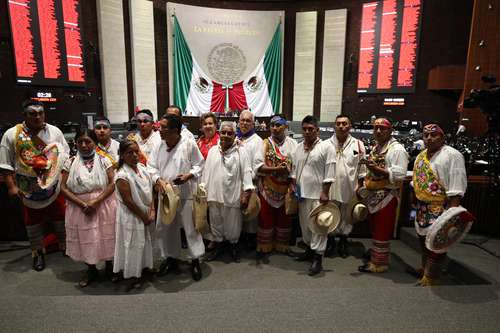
x=388, y=49
x=46, y=37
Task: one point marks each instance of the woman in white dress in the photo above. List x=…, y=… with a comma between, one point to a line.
x=87, y=182
x=135, y=215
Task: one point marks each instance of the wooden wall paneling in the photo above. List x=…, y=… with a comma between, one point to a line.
x=288, y=64
x=128, y=58
x=482, y=59
x=318, y=64
x=161, y=55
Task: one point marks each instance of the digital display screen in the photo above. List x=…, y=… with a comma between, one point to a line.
x=388, y=50
x=47, y=42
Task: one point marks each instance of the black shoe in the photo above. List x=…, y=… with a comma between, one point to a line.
x=235, y=253
x=39, y=261
x=259, y=255
x=167, y=266
x=90, y=276
x=113, y=277
x=330, y=247
x=196, y=269
x=365, y=268
x=367, y=255
x=215, y=252
x=343, y=247
x=251, y=242
x=307, y=255
x=316, y=266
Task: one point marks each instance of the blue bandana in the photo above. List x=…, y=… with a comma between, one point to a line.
x=278, y=120
x=240, y=134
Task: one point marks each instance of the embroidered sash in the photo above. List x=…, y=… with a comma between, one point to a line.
x=380, y=195
x=30, y=160
x=107, y=155
x=274, y=188
x=429, y=191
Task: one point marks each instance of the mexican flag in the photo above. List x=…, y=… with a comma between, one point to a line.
x=196, y=93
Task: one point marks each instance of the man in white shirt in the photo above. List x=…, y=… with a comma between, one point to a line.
x=147, y=138
x=228, y=179
x=106, y=145
x=178, y=161
x=175, y=110
x=439, y=182
x=387, y=165
x=312, y=178
x=348, y=152
x=23, y=160
x=253, y=146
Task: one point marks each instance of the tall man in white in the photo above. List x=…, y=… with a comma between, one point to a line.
x=348, y=152
x=175, y=110
x=228, y=179
x=146, y=137
x=312, y=177
x=253, y=145
x=177, y=160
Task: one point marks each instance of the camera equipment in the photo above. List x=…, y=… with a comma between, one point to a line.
x=488, y=100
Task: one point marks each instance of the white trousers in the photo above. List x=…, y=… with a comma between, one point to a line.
x=315, y=241
x=225, y=222
x=344, y=228
x=168, y=237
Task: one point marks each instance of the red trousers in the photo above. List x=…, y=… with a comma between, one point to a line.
x=53, y=212
x=382, y=227
x=432, y=262
x=274, y=229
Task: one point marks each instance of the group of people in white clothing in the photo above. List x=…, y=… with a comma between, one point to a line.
x=106, y=201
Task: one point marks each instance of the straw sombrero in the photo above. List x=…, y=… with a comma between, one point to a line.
x=169, y=201
x=324, y=219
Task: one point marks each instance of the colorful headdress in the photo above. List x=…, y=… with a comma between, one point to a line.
x=434, y=128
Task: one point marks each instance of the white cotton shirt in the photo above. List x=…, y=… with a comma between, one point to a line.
x=225, y=176
x=112, y=150
x=449, y=166
x=254, y=147
x=81, y=180
x=347, y=168
x=396, y=162
x=287, y=148
x=310, y=169
x=187, y=133
x=148, y=145
x=184, y=158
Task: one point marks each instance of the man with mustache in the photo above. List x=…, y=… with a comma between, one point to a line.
x=253, y=145
x=387, y=165
x=23, y=160
x=439, y=182
x=147, y=138
x=228, y=179
x=178, y=161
